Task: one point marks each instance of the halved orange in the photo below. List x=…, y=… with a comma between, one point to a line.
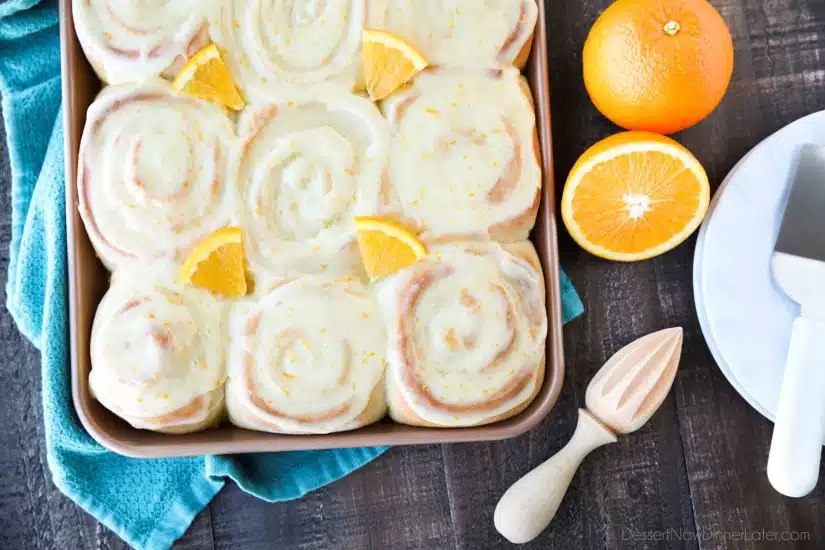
x=389, y=62
x=218, y=264
x=386, y=246
x=633, y=196
x=207, y=77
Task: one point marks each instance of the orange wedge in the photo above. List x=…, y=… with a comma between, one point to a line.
x=207, y=77
x=386, y=246
x=389, y=62
x=633, y=196
x=217, y=264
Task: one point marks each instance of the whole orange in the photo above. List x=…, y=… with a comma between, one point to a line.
x=658, y=66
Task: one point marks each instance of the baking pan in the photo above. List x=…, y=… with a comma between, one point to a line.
x=88, y=281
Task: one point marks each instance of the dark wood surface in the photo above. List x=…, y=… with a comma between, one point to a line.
x=693, y=477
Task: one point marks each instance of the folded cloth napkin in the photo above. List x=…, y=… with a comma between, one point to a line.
x=148, y=503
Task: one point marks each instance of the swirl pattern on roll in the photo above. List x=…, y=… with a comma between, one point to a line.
x=464, y=155
x=269, y=44
x=467, y=331
x=157, y=354
x=129, y=40
x=151, y=172
x=464, y=32
x=307, y=357
x=309, y=164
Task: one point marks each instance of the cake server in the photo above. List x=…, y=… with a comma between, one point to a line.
x=799, y=270
x=621, y=398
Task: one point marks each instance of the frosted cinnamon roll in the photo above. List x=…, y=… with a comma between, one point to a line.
x=464, y=154
x=467, y=330
x=129, y=40
x=307, y=357
x=309, y=163
x=465, y=32
x=157, y=354
x=151, y=172
x=269, y=44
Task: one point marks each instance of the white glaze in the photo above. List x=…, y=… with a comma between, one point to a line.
x=310, y=163
x=155, y=347
x=152, y=170
x=270, y=44
x=480, y=298
x=463, y=32
x=129, y=40
x=456, y=135
x=306, y=347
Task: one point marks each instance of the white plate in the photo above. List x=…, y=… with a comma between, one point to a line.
x=745, y=317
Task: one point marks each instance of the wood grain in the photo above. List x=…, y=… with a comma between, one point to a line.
x=693, y=477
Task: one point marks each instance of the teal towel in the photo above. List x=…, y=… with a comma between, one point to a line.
x=148, y=503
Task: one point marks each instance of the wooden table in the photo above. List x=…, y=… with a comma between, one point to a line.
x=694, y=477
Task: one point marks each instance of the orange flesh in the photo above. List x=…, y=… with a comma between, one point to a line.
x=393, y=71
x=212, y=81
x=223, y=271
x=636, y=202
x=383, y=254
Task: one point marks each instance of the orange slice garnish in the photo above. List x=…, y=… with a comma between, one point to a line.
x=218, y=264
x=389, y=62
x=386, y=246
x=207, y=77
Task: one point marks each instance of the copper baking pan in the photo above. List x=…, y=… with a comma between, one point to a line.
x=88, y=281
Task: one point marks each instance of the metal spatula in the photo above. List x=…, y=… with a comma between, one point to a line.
x=799, y=269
